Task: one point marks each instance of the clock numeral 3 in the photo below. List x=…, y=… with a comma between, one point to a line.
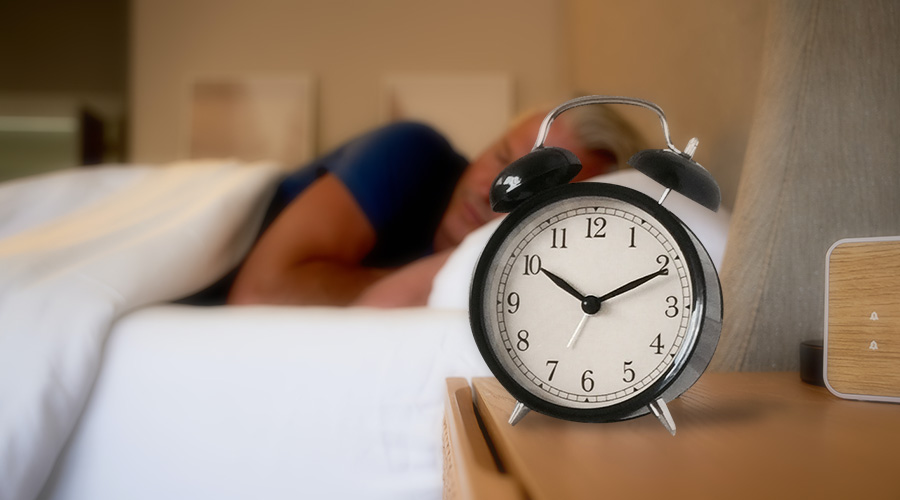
x=595, y=228
x=672, y=310
x=532, y=264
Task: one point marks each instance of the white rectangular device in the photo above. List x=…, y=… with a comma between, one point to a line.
x=862, y=319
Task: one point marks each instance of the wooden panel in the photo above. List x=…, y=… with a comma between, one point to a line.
x=863, y=336
x=740, y=435
x=252, y=119
x=470, y=471
x=348, y=46
x=472, y=110
x=821, y=165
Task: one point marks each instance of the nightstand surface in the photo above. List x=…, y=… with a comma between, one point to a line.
x=740, y=435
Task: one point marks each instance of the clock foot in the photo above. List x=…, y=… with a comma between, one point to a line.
x=661, y=411
x=518, y=413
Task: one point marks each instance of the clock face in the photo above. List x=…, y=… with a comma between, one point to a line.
x=585, y=300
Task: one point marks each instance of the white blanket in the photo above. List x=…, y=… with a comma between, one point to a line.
x=78, y=249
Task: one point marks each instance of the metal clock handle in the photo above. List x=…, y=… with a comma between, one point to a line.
x=602, y=99
x=672, y=168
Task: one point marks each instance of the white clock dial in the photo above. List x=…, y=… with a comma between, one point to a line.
x=588, y=302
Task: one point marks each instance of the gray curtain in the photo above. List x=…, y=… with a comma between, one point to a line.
x=823, y=163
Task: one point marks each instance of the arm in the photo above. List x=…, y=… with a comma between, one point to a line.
x=408, y=286
x=311, y=254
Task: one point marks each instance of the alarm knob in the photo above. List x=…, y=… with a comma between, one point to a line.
x=541, y=169
x=678, y=172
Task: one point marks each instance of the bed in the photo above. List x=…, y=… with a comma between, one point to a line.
x=107, y=390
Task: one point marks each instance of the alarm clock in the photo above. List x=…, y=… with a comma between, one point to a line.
x=862, y=319
x=592, y=302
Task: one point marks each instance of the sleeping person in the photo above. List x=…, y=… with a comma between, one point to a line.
x=372, y=222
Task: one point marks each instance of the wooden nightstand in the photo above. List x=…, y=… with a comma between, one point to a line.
x=740, y=435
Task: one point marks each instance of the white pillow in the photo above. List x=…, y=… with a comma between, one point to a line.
x=450, y=289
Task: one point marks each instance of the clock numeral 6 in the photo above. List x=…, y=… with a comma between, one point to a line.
x=672, y=310
x=532, y=264
x=629, y=373
x=587, y=383
x=513, y=301
x=522, y=344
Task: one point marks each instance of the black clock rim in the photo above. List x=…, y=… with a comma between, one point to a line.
x=627, y=409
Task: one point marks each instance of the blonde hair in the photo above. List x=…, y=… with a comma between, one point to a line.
x=601, y=128
x=598, y=127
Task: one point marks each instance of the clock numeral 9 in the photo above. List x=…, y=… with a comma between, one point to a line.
x=532, y=264
x=513, y=301
x=587, y=383
x=522, y=344
x=595, y=228
x=629, y=373
x=672, y=310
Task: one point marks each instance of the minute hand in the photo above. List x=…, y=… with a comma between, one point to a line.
x=633, y=284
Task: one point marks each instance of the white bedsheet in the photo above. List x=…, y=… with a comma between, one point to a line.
x=74, y=260
x=268, y=402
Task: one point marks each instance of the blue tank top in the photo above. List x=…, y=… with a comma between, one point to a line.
x=402, y=176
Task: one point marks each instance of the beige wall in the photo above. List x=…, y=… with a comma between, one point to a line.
x=698, y=59
x=348, y=46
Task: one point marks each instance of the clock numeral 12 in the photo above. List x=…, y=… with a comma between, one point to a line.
x=599, y=223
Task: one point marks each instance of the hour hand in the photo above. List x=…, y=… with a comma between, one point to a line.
x=564, y=285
